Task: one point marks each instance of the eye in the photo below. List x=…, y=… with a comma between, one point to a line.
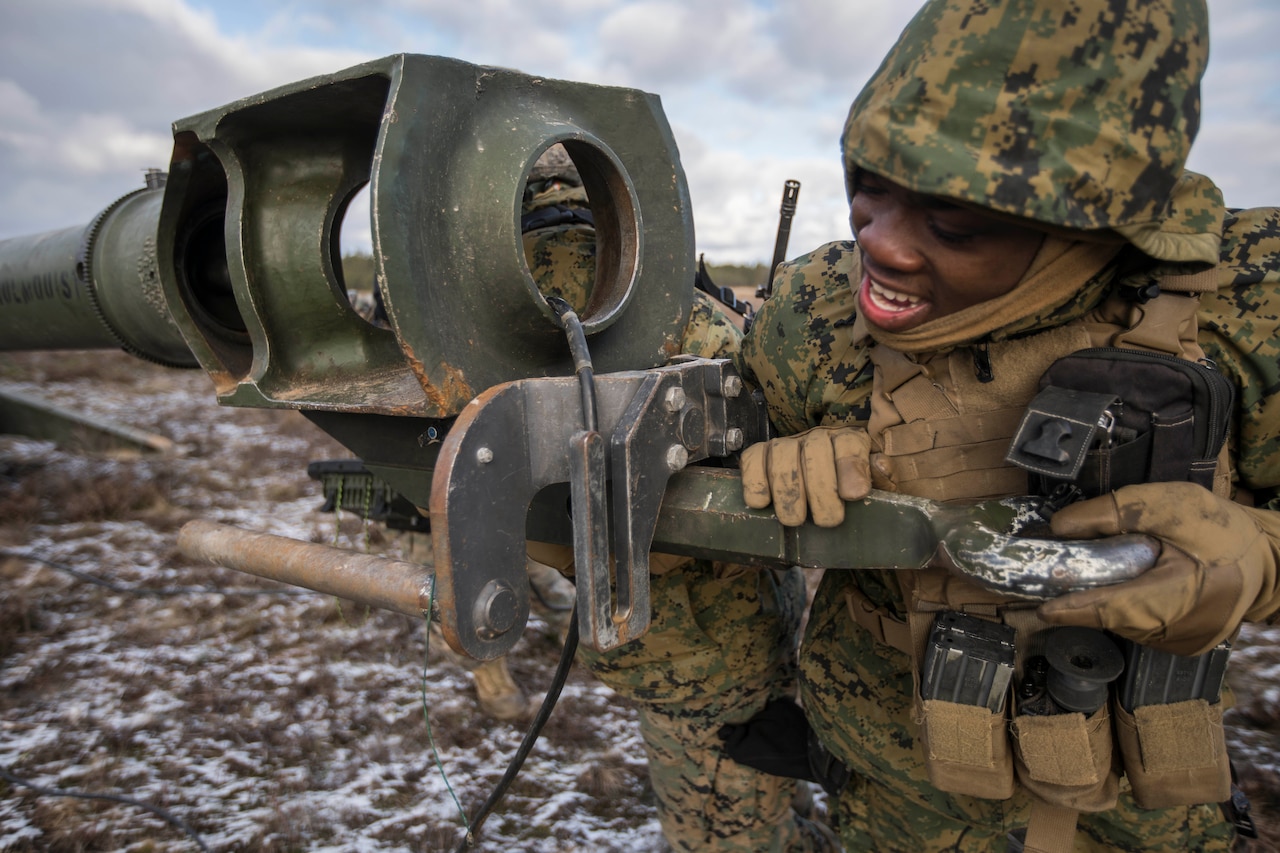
x=949, y=236
x=865, y=183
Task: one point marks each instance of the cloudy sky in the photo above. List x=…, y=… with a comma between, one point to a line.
x=755, y=90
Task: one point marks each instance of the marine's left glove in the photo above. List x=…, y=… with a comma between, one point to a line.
x=1219, y=565
x=814, y=471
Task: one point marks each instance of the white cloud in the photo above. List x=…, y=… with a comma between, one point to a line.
x=737, y=218
x=1241, y=104
x=841, y=42
x=1242, y=158
x=541, y=38
x=103, y=143
x=90, y=88
x=90, y=144
x=22, y=127
x=659, y=43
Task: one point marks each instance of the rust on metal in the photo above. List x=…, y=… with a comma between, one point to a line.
x=449, y=397
x=363, y=578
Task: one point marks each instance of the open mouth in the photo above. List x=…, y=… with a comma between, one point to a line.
x=889, y=300
x=889, y=309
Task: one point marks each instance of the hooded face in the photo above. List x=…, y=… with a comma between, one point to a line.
x=924, y=258
x=1077, y=115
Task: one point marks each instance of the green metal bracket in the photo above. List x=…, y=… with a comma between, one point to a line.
x=445, y=147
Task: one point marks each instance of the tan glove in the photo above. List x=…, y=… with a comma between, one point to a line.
x=1217, y=567
x=811, y=472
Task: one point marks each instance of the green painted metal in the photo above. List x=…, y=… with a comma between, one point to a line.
x=43, y=303
x=445, y=147
x=93, y=287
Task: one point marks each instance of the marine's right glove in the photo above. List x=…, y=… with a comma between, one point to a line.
x=813, y=472
x=1219, y=565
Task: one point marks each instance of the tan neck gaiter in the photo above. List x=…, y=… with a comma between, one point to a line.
x=1060, y=273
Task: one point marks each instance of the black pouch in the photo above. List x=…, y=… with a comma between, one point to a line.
x=1109, y=417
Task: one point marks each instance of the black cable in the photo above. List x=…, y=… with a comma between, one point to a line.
x=582, y=366
x=143, y=591
x=530, y=736
x=171, y=819
x=581, y=358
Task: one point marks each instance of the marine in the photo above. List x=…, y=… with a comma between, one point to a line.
x=1018, y=194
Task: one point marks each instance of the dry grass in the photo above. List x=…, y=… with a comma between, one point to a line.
x=94, y=365
x=1253, y=730
x=608, y=776
x=68, y=494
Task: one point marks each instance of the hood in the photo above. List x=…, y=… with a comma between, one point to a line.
x=1073, y=115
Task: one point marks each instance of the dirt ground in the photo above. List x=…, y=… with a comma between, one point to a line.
x=268, y=720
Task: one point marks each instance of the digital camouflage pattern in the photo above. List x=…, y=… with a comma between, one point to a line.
x=1240, y=331
x=721, y=646
x=721, y=643
x=804, y=352
x=1072, y=114
x=562, y=257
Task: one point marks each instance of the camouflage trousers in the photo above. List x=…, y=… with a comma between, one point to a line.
x=721, y=646
x=857, y=694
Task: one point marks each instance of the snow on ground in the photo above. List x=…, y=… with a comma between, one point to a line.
x=274, y=721
x=265, y=719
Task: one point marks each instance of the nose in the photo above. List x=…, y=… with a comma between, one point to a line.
x=886, y=231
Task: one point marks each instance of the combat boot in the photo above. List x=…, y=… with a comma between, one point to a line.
x=500, y=697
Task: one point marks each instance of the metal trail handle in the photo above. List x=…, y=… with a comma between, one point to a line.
x=365, y=578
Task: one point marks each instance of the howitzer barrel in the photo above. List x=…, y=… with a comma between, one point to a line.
x=94, y=287
x=363, y=578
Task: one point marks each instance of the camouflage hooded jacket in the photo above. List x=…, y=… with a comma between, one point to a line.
x=1075, y=119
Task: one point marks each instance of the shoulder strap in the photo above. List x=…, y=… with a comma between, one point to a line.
x=1205, y=281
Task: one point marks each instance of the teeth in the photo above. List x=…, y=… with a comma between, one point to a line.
x=892, y=297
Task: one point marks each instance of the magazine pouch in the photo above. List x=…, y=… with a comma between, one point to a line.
x=1168, y=712
x=960, y=705
x=1175, y=755
x=1062, y=728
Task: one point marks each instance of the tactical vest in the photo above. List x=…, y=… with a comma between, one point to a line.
x=940, y=428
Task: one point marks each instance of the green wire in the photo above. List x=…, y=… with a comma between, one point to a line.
x=435, y=752
x=337, y=513
x=368, y=501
